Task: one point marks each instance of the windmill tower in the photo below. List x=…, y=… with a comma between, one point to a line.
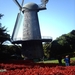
x=31, y=42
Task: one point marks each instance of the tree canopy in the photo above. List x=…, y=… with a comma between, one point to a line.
x=62, y=45
x=4, y=36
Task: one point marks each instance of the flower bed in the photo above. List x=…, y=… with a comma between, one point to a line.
x=30, y=68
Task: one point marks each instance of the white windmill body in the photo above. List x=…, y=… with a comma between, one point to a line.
x=31, y=42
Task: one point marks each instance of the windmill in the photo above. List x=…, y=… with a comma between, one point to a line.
x=19, y=16
x=31, y=41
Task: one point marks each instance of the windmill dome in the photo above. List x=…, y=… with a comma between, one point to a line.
x=32, y=6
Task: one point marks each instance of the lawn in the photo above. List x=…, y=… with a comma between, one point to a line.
x=56, y=61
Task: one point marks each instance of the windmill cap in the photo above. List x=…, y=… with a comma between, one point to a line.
x=32, y=6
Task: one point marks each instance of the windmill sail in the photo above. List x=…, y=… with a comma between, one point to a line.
x=17, y=4
x=18, y=21
x=17, y=26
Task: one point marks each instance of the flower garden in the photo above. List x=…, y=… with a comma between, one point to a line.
x=28, y=67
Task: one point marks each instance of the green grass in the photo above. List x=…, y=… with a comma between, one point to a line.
x=48, y=61
x=73, y=58
x=55, y=61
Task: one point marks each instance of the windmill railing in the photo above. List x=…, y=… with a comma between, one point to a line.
x=46, y=37
x=43, y=37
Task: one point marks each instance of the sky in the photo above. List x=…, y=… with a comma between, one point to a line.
x=57, y=19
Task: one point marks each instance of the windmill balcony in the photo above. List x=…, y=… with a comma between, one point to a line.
x=43, y=39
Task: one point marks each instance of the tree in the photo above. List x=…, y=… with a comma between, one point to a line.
x=71, y=39
x=65, y=44
x=46, y=48
x=4, y=36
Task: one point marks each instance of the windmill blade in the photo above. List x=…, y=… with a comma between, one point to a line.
x=17, y=26
x=44, y=2
x=22, y=2
x=18, y=21
x=18, y=4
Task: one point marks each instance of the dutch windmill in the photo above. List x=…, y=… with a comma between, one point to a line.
x=19, y=17
x=31, y=42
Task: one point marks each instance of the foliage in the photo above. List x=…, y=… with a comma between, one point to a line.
x=46, y=47
x=5, y=50
x=8, y=50
x=65, y=44
x=1, y=15
x=14, y=49
x=4, y=36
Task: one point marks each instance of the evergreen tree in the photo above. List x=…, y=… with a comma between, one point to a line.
x=4, y=36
